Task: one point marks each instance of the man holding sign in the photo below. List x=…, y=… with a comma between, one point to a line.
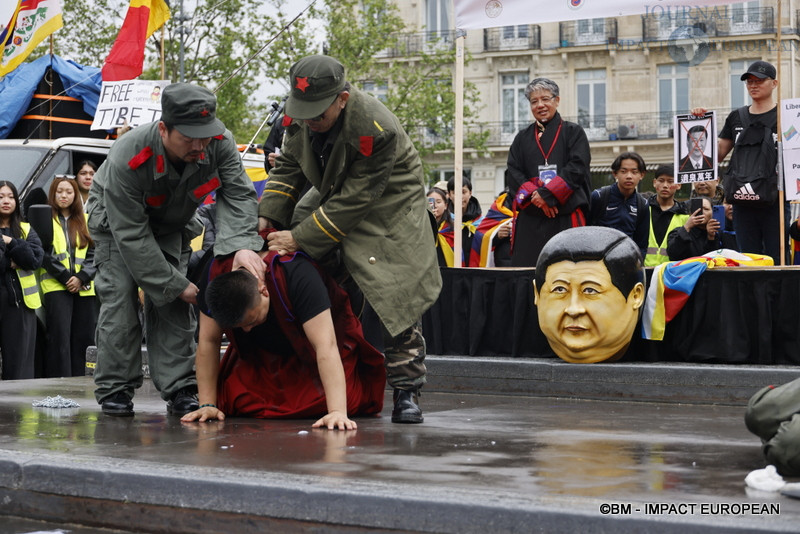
x=142, y=218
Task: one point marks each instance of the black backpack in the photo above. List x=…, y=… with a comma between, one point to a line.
x=752, y=178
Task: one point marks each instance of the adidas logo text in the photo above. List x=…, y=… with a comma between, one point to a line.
x=746, y=193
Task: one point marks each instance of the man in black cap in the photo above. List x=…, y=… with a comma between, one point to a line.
x=757, y=227
x=368, y=202
x=142, y=218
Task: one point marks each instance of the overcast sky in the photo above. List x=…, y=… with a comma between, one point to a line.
x=293, y=7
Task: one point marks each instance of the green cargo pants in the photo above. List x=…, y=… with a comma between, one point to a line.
x=773, y=414
x=170, y=332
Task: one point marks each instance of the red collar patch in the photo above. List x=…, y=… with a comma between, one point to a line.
x=302, y=83
x=136, y=161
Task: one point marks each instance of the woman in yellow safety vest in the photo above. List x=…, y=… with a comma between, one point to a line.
x=20, y=255
x=66, y=281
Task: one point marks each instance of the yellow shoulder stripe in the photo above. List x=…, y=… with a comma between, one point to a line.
x=316, y=220
x=322, y=212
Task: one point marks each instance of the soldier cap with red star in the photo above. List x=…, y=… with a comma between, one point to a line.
x=315, y=81
x=191, y=109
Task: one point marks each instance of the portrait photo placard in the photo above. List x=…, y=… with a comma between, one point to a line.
x=695, y=154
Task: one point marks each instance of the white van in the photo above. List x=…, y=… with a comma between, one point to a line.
x=33, y=164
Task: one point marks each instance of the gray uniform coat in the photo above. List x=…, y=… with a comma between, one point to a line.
x=372, y=205
x=142, y=218
x=147, y=209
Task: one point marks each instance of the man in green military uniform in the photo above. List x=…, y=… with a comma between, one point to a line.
x=142, y=218
x=368, y=202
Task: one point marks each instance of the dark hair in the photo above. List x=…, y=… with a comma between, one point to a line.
x=667, y=169
x=77, y=229
x=15, y=218
x=451, y=183
x=437, y=191
x=88, y=162
x=629, y=155
x=447, y=215
x=230, y=295
x=697, y=128
x=618, y=252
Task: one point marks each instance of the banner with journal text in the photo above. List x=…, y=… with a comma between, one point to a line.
x=476, y=14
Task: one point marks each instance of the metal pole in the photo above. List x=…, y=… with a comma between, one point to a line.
x=458, y=153
x=781, y=193
x=182, y=32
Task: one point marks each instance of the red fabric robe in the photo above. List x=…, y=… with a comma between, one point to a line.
x=266, y=385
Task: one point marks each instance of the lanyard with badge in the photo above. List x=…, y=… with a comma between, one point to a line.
x=548, y=171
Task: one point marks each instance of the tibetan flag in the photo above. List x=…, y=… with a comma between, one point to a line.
x=125, y=60
x=444, y=241
x=31, y=22
x=672, y=284
x=481, y=254
x=8, y=19
x=258, y=175
x=670, y=287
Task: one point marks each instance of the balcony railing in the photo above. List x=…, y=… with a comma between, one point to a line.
x=413, y=44
x=587, y=32
x=522, y=37
x=664, y=27
x=722, y=22
x=746, y=21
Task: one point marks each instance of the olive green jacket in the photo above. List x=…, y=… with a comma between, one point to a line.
x=139, y=203
x=372, y=205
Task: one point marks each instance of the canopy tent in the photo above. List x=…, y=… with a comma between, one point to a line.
x=66, y=104
x=480, y=14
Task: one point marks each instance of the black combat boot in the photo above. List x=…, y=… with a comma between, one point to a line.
x=183, y=401
x=117, y=404
x=406, y=406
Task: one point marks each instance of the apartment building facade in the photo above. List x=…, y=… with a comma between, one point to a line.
x=622, y=78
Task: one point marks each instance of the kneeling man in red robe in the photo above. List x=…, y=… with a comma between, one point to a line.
x=296, y=348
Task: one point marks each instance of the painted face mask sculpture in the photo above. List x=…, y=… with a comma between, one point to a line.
x=589, y=291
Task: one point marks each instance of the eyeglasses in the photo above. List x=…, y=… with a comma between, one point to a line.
x=544, y=100
x=65, y=176
x=755, y=81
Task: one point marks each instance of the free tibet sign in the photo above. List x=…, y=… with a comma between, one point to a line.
x=134, y=102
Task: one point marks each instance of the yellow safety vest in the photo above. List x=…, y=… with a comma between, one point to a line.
x=61, y=255
x=657, y=252
x=27, y=279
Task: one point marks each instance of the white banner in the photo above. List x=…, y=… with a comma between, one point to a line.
x=790, y=124
x=135, y=101
x=791, y=174
x=476, y=14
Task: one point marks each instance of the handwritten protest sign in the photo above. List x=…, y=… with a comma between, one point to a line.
x=135, y=101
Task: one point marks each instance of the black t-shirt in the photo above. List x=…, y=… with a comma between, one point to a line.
x=733, y=124
x=661, y=219
x=306, y=293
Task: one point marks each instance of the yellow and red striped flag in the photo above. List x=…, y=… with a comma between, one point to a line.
x=29, y=24
x=125, y=60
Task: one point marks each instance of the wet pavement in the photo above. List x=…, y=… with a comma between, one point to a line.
x=480, y=462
